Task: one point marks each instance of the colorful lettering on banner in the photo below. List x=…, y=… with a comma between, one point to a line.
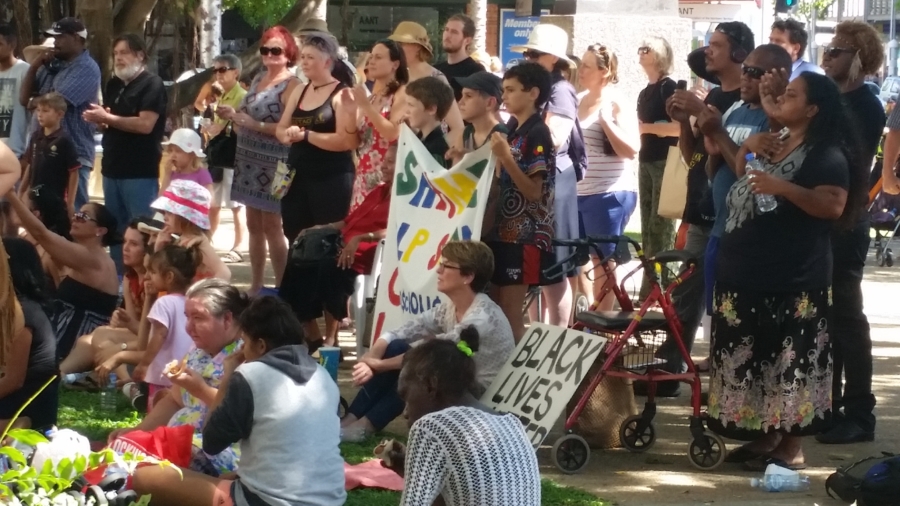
x=430, y=206
x=542, y=375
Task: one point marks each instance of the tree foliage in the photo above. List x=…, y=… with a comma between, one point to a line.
x=807, y=7
x=260, y=12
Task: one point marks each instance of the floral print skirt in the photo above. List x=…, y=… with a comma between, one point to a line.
x=771, y=366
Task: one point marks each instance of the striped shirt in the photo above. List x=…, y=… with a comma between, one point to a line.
x=606, y=173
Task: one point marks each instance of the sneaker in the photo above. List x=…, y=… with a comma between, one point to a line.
x=138, y=400
x=353, y=434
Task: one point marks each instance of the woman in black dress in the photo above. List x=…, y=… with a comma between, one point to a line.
x=771, y=366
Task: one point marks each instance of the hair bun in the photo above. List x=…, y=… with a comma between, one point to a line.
x=470, y=336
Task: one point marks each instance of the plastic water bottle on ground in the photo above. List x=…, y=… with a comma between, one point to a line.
x=772, y=482
x=75, y=376
x=109, y=395
x=764, y=203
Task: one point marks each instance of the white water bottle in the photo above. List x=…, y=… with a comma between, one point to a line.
x=108, y=396
x=781, y=482
x=764, y=203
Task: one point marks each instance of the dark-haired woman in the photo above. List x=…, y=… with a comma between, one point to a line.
x=771, y=366
x=458, y=448
x=258, y=152
x=463, y=273
x=379, y=114
x=52, y=212
x=89, y=293
x=319, y=124
x=280, y=462
x=29, y=359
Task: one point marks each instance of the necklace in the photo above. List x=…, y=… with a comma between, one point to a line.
x=317, y=88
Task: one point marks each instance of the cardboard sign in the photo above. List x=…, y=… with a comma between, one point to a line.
x=430, y=206
x=542, y=375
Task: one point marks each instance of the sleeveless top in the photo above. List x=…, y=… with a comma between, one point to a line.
x=607, y=171
x=312, y=162
x=372, y=147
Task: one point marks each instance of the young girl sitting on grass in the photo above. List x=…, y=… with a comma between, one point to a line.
x=185, y=205
x=185, y=153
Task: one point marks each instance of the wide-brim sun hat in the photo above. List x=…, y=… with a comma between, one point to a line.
x=188, y=140
x=186, y=199
x=409, y=32
x=313, y=25
x=549, y=39
x=31, y=53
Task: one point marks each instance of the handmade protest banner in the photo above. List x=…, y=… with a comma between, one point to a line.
x=541, y=375
x=430, y=206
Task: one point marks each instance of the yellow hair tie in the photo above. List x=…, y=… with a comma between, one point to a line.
x=464, y=347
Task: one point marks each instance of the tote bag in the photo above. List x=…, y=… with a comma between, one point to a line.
x=673, y=194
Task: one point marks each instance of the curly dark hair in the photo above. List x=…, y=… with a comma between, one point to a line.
x=180, y=261
x=532, y=75
x=272, y=320
x=452, y=371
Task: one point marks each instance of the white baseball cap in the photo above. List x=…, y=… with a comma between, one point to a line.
x=188, y=140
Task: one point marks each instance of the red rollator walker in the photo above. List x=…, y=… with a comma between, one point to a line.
x=635, y=336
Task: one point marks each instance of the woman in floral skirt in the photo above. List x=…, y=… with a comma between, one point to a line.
x=771, y=367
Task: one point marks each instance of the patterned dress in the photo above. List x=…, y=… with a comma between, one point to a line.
x=258, y=154
x=194, y=412
x=372, y=146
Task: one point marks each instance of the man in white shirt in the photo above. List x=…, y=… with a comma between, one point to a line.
x=791, y=35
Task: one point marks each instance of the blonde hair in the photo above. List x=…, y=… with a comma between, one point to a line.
x=606, y=59
x=11, y=317
x=665, y=58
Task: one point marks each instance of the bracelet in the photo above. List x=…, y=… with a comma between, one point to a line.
x=306, y=135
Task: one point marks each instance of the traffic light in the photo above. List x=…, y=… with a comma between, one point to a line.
x=783, y=6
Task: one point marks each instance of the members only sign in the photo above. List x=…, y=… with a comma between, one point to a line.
x=430, y=206
x=542, y=375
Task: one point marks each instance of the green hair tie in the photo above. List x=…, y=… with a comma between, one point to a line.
x=464, y=347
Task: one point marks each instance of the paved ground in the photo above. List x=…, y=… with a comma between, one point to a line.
x=664, y=475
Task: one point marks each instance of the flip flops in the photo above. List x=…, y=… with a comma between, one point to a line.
x=232, y=257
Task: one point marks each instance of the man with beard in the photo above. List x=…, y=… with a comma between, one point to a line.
x=719, y=63
x=135, y=120
x=69, y=70
x=855, y=52
x=458, y=34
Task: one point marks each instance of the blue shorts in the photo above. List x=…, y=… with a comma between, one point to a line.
x=605, y=214
x=709, y=271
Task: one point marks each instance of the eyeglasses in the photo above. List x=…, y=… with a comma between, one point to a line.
x=83, y=217
x=532, y=54
x=222, y=70
x=442, y=265
x=274, y=51
x=834, y=51
x=643, y=50
x=753, y=72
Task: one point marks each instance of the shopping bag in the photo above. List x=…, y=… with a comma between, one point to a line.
x=673, y=194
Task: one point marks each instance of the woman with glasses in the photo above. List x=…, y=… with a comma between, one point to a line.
x=658, y=134
x=466, y=268
x=258, y=152
x=606, y=195
x=89, y=293
x=380, y=113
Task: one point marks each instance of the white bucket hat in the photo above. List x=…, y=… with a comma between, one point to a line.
x=549, y=39
x=188, y=140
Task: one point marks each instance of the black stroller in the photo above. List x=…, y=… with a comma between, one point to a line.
x=884, y=219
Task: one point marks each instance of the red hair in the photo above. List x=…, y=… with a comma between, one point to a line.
x=291, y=52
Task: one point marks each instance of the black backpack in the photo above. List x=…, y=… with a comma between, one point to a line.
x=874, y=481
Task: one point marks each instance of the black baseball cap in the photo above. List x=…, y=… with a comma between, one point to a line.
x=68, y=26
x=484, y=82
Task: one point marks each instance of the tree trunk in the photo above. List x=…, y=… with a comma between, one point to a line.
x=23, y=24
x=97, y=17
x=209, y=26
x=478, y=12
x=132, y=16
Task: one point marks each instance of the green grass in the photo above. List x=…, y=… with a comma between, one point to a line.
x=80, y=411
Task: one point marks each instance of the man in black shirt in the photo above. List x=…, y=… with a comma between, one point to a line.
x=728, y=46
x=855, y=52
x=135, y=120
x=458, y=34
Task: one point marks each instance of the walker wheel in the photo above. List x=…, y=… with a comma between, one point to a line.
x=634, y=440
x=889, y=259
x=571, y=453
x=97, y=494
x=707, y=459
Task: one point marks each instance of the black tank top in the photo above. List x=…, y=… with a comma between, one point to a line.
x=312, y=162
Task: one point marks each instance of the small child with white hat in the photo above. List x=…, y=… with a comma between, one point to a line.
x=185, y=162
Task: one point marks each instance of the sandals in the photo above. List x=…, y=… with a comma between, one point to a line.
x=86, y=384
x=232, y=257
x=741, y=455
x=761, y=463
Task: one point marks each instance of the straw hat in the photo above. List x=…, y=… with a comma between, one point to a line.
x=186, y=199
x=408, y=32
x=188, y=140
x=549, y=39
x=32, y=52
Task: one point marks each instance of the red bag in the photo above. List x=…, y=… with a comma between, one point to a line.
x=163, y=443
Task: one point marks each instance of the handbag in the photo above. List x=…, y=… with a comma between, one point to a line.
x=281, y=182
x=673, y=194
x=315, y=246
x=220, y=151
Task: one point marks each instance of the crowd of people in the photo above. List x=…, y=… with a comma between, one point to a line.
x=134, y=285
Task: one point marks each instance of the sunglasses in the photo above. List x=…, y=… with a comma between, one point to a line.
x=83, y=217
x=222, y=70
x=274, y=51
x=834, y=51
x=753, y=72
x=532, y=54
x=643, y=50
